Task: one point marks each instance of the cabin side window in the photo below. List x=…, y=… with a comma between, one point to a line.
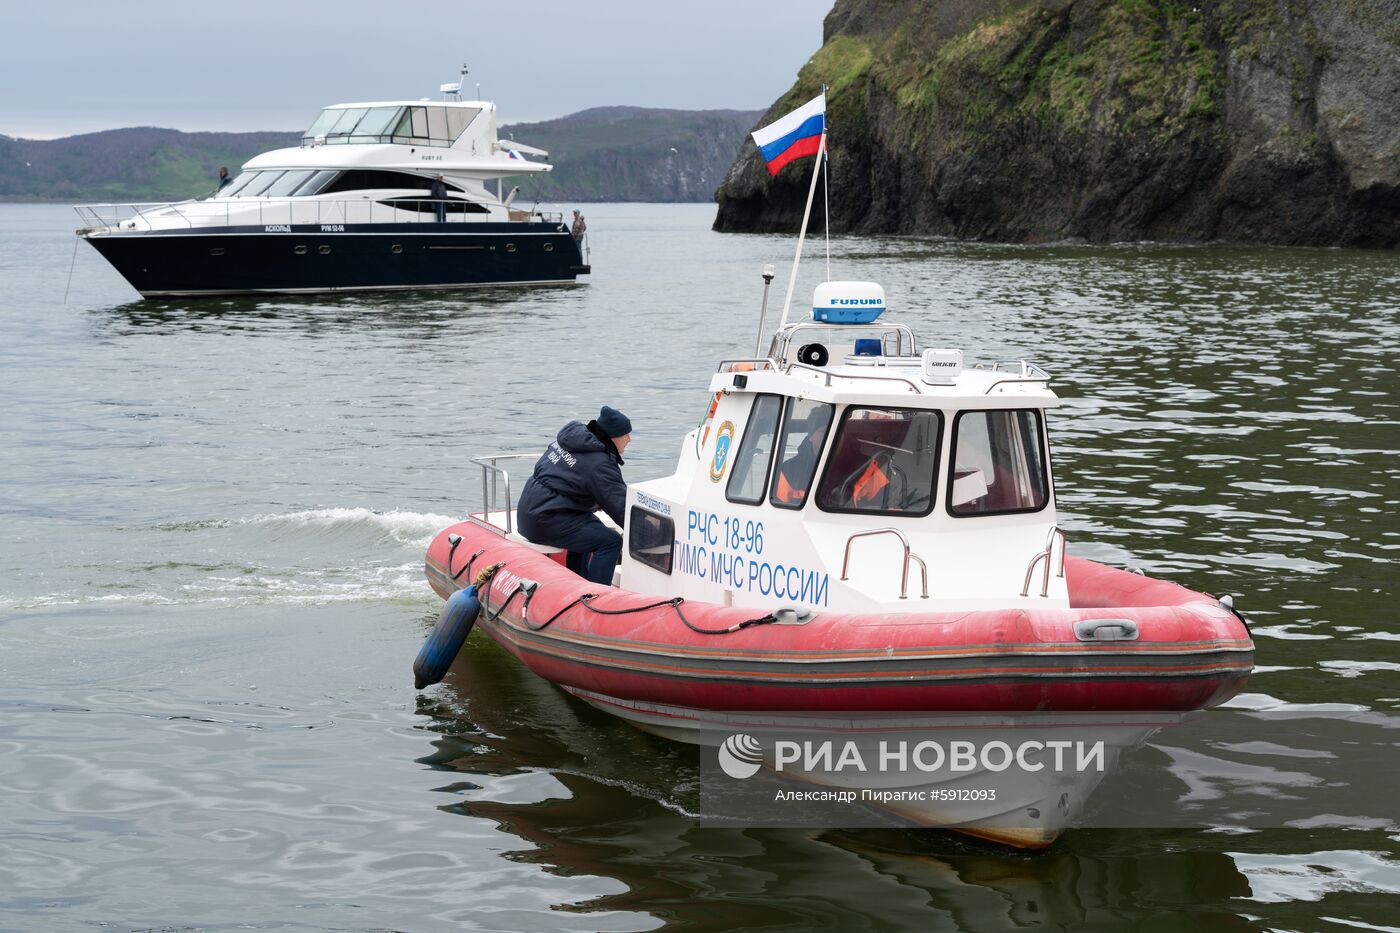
x=651, y=538
x=360, y=179
x=804, y=435
x=243, y=180
x=998, y=463
x=289, y=183
x=748, y=478
x=884, y=461
x=316, y=183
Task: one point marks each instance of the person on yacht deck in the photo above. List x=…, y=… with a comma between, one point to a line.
x=438, y=192
x=223, y=177
x=579, y=228
x=580, y=472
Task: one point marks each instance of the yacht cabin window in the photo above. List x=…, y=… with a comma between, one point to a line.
x=453, y=206
x=345, y=126
x=260, y=184
x=278, y=183
x=360, y=179
x=376, y=122
x=321, y=125
x=884, y=461
x=288, y=183
x=316, y=183
x=998, y=463
x=804, y=435
x=748, y=476
x=238, y=184
x=419, y=125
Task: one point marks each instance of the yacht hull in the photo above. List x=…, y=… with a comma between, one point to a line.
x=310, y=259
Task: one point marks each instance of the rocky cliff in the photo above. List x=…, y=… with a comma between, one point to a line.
x=1272, y=121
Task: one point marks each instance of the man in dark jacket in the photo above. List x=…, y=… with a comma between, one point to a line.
x=580, y=472
x=438, y=192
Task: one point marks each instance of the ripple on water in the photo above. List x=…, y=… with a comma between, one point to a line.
x=206, y=498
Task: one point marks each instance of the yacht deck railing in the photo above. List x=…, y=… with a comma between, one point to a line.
x=301, y=211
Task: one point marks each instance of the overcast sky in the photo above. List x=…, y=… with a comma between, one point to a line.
x=74, y=66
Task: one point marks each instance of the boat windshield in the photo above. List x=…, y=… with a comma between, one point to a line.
x=884, y=461
x=998, y=463
x=425, y=125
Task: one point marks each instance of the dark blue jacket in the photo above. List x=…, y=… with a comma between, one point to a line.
x=579, y=472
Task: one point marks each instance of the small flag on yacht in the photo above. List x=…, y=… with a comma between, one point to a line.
x=796, y=135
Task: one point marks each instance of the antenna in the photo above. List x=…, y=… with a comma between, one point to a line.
x=453, y=91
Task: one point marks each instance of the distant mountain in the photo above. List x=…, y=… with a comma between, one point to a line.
x=604, y=154
x=633, y=153
x=137, y=164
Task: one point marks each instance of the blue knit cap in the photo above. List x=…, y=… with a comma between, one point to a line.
x=614, y=422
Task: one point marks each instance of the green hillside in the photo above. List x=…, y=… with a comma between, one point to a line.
x=135, y=164
x=605, y=154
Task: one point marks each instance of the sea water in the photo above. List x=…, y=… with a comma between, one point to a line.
x=211, y=587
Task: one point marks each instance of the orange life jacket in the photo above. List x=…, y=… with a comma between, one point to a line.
x=787, y=493
x=870, y=483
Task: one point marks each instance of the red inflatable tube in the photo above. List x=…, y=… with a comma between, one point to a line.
x=1190, y=652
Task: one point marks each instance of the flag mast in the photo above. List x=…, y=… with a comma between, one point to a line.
x=806, y=213
x=802, y=234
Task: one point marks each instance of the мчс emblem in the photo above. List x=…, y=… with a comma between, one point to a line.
x=722, y=444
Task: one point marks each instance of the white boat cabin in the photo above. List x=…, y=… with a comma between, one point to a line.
x=360, y=163
x=849, y=471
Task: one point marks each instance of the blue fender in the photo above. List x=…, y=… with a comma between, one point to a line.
x=446, y=638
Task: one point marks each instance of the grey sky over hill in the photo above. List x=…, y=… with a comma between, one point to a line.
x=84, y=65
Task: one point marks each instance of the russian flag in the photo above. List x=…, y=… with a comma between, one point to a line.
x=796, y=135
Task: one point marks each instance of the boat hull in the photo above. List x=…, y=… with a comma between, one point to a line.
x=312, y=258
x=648, y=667
x=1026, y=809
x=1191, y=652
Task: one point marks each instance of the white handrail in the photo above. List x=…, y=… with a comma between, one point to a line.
x=489, y=468
x=1046, y=554
x=908, y=556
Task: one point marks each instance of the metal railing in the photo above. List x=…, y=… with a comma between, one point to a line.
x=830, y=375
x=782, y=340
x=244, y=212
x=908, y=556
x=753, y=363
x=493, y=478
x=1046, y=554
x=1024, y=373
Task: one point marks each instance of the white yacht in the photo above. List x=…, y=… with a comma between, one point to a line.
x=351, y=208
